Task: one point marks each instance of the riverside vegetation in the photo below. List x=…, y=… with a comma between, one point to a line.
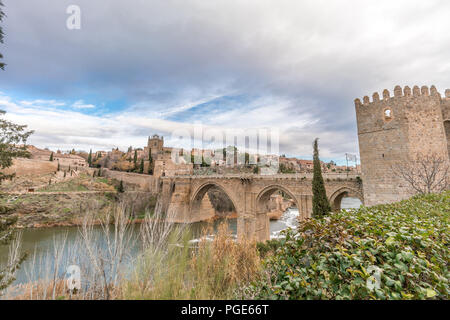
x=340, y=256
x=404, y=244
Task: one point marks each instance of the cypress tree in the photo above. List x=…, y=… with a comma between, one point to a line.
x=141, y=167
x=90, y=158
x=150, y=161
x=321, y=206
x=120, y=188
x=135, y=159
x=51, y=157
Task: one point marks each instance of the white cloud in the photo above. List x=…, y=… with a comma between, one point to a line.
x=81, y=105
x=65, y=129
x=42, y=102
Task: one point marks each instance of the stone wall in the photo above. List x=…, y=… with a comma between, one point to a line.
x=394, y=130
x=23, y=167
x=166, y=167
x=133, y=181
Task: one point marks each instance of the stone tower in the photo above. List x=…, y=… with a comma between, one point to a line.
x=394, y=130
x=156, y=144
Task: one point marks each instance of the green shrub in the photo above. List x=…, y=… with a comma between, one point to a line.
x=335, y=257
x=268, y=247
x=120, y=188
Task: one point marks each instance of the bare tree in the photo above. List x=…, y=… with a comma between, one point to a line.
x=425, y=174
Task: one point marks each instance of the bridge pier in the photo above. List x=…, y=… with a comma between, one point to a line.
x=254, y=227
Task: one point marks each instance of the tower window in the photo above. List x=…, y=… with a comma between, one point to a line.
x=387, y=114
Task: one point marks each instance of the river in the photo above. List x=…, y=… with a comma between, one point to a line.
x=42, y=241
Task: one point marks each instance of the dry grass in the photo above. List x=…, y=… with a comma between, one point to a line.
x=212, y=270
x=39, y=291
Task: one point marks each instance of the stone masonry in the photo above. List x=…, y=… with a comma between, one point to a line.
x=394, y=130
x=180, y=198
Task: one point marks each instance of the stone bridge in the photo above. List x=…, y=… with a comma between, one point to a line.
x=180, y=197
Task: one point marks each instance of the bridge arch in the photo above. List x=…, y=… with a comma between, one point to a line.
x=336, y=198
x=265, y=194
x=199, y=193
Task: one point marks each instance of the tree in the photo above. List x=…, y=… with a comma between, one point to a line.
x=106, y=162
x=150, y=162
x=204, y=163
x=120, y=188
x=285, y=169
x=2, y=15
x=13, y=140
x=321, y=205
x=15, y=259
x=51, y=157
x=90, y=158
x=424, y=174
x=141, y=166
x=247, y=158
x=135, y=159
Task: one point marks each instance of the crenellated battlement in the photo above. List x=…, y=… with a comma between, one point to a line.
x=398, y=92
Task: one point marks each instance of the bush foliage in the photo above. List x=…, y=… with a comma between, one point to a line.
x=405, y=244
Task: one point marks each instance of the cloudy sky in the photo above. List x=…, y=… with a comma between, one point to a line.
x=140, y=67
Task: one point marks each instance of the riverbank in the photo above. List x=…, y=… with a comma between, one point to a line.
x=51, y=209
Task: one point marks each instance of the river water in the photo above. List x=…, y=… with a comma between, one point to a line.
x=41, y=242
